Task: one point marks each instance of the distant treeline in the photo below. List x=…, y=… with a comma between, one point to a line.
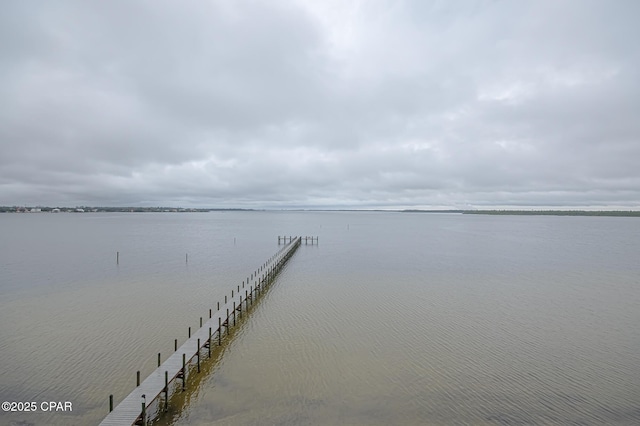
x=620, y=213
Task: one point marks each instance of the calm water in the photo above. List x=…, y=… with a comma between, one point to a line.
x=417, y=319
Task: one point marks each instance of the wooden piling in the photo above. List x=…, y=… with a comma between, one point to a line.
x=184, y=370
x=110, y=403
x=144, y=410
x=137, y=378
x=198, y=355
x=166, y=390
x=159, y=363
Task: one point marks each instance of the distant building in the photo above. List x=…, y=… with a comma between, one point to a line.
x=55, y=210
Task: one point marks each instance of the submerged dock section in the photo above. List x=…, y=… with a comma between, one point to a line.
x=156, y=388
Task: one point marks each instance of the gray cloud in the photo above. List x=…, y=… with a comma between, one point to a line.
x=297, y=103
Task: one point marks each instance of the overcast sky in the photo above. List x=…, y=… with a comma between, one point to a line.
x=320, y=104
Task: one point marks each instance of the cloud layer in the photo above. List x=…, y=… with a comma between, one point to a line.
x=386, y=104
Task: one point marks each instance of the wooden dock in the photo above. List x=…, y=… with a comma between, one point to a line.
x=307, y=240
x=155, y=389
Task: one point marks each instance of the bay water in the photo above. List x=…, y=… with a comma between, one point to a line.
x=393, y=318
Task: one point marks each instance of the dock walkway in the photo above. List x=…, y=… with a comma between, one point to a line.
x=132, y=409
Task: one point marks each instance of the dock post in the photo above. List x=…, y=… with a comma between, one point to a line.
x=234, y=314
x=218, y=307
x=209, y=313
x=117, y=258
x=189, y=332
x=200, y=322
x=144, y=410
x=219, y=331
x=137, y=378
x=209, y=344
x=166, y=390
x=184, y=370
x=225, y=299
x=158, y=359
x=198, y=354
x=227, y=322
x=175, y=345
x=110, y=403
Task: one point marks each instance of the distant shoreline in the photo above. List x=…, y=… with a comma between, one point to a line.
x=84, y=209
x=41, y=209
x=614, y=213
